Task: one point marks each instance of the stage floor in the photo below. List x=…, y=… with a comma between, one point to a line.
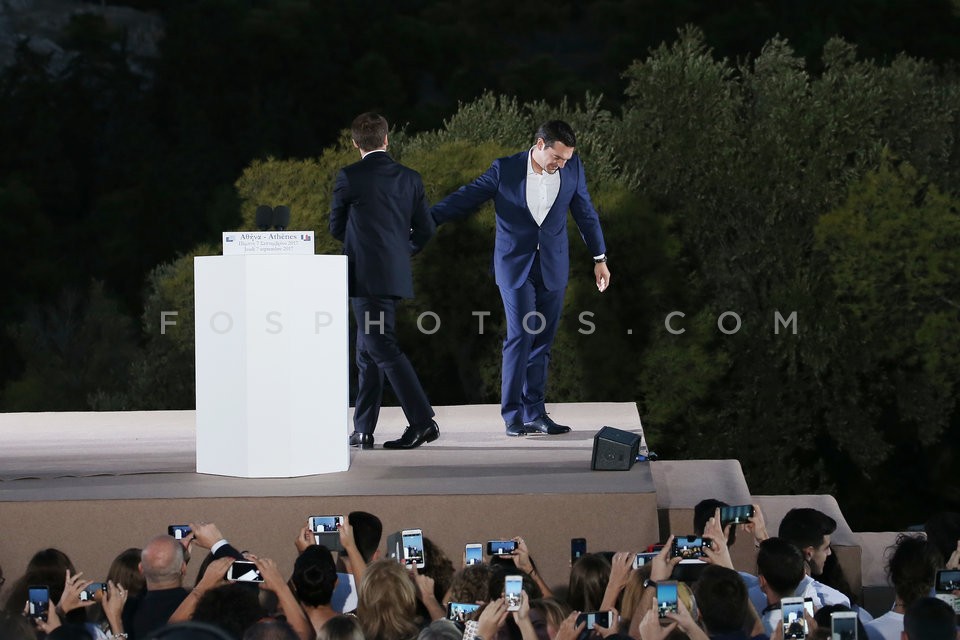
x=144, y=455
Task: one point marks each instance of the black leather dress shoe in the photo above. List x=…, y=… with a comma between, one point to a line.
x=415, y=435
x=362, y=440
x=516, y=429
x=545, y=425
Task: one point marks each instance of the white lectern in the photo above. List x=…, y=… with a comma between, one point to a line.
x=271, y=357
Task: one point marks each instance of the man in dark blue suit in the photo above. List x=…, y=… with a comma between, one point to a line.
x=532, y=192
x=381, y=215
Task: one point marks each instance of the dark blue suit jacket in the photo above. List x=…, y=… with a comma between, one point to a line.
x=380, y=213
x=518, y=235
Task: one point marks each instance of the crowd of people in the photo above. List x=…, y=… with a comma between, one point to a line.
x=362, y=593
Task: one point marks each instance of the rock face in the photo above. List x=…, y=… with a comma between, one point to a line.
x=41, y=24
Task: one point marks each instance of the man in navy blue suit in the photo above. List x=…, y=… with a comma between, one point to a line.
x=380, y=213
x=532, y=192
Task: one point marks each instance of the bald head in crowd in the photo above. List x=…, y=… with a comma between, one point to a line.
x=162, y=563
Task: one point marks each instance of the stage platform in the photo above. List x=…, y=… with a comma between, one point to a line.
x=94, y=484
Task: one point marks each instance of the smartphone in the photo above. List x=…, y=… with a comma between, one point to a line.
x=325, y=524
x=594, y=619
x=578, y=549
x=808, y=606
x=843, y=625
x=666, y=598
x=948, y=581
x=179, y=531
x=643, y=558
x=39, y=599
x=91, y=591
x=473, y=554
x=458, y=611
x=791, y=614
x=512, y=588
x=243, y=571
x=740, y=514
x=689, y=547
x=413, y=548
x=501, y=547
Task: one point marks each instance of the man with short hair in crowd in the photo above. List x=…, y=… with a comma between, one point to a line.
x=809, y=530
x=929, y=619
x=163, y=567
x=780, y=570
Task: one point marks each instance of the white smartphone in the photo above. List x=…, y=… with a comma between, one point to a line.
x=412, y=542
x=243, y=571
x=791, y=615
x=473, y=554
x=843, y=625
x=512, y=588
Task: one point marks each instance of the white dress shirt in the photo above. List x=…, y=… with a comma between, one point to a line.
x=542, y=190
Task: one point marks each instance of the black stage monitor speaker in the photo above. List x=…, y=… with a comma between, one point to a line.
x=614, y=450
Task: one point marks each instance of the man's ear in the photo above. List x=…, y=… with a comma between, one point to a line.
x=386, y=141
x=355, y=145
x=808, y=552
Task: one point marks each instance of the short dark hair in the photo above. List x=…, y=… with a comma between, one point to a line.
x=314, y=576
x=930, y=619
x=271, y=629
x=369, y=130
x=912, y=567
x=556, y=131
x=781, y=564
x=805, y=527
x=232, y=607
x=703, y=511
x=722, y=599
x=367, y=531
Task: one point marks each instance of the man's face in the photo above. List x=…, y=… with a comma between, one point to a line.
x=816, y=556
x=553, y=157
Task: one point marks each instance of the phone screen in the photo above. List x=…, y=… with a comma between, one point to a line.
x=948, y=581
x=843, y=627
x=642, y=559
x=91, y=591
x=179, y=531
x=324, y=524
x=689, y=547
x=39, y=598
x=474, y=554
x=794, y=626
x=578, y=548
x=740, y=514
x=244, y=571
x=512, y=588
x=666, y=598
x=594, y=619
x=413, y=548
x=501, y=547
x=458, y=611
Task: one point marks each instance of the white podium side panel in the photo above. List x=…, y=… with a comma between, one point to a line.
x=271, y=356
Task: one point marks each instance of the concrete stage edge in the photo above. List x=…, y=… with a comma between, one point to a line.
x=93, y=484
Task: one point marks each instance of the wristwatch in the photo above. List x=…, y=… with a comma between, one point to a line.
x=649, y=583
x=600, y=260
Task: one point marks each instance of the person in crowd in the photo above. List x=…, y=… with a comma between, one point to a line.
x=270, y=629
x=46, y=567
x=780, y=570
x=822, y=619
x=379, y=211
x=943, y=531
x=163, y=567
x=360, y=539
x=341, y=627
x=929, y=619
x=553, y=612
x=723, y=605
x=387, y=602
x=810, y=530
x=440, y=630
x=14, y=626
x=314, y=580
x=125, y=572
x=532, y=192
x=231, y=607
x=912, y=570
x=588, y=582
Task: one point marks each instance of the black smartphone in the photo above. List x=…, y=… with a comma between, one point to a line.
x=578, y=549
x=244, y=571
x=458, y=611
x=666, y=598
x=501, y=547
x=594, y=619
x=739, y=514
x=948, y=581
x=39, y=599
x=689, y=547
x=179, y=531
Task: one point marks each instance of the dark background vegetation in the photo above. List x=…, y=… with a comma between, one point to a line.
x=752, y=162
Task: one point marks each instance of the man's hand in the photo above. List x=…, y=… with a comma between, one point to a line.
x=717, y=553
x=614, y=628
x=214, y=575
x=661, y=567
x=650, y=627
x=602, y=275
x=206, y=534
x=272, y=580
x=346, y=537
x=521, y=556
x=569, y=629
x=953, y=562
x=756, y=525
